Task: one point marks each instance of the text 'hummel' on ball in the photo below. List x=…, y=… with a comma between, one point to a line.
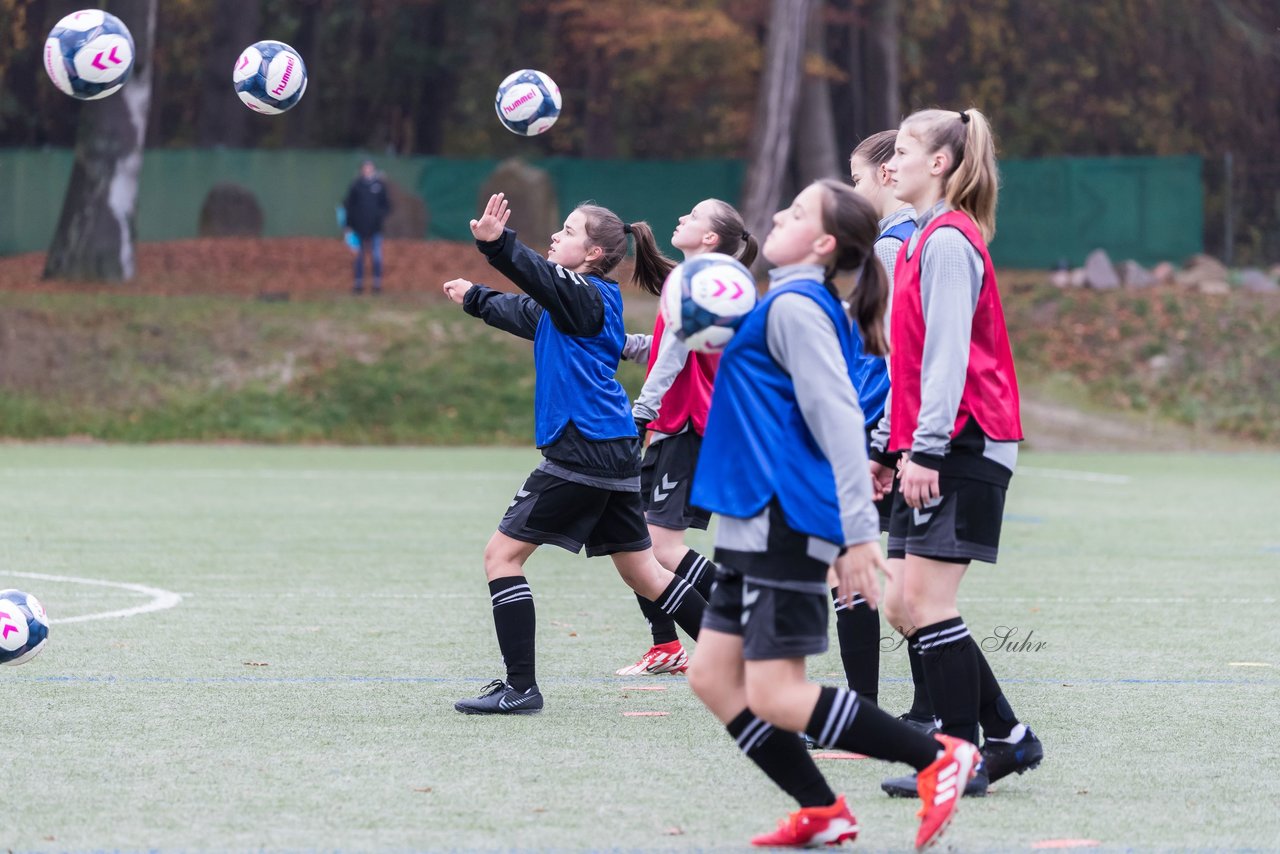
x=270, y=77
x=528, y=102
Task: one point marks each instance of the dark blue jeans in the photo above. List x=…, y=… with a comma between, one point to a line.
x=371, y=246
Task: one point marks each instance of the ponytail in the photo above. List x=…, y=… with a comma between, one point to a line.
x=606, y=230
x=652, y=266
x=973, y=185
x=851, y=220
x=867, y=305
x=728, y=225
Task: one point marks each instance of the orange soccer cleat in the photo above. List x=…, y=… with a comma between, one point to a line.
x=810, y=827
x=941, y=786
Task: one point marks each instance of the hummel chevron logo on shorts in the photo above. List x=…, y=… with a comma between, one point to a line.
x=660, y=496
x=921, y=518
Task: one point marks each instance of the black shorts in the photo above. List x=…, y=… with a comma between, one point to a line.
x=550, y=510
x=962, y=525
x=666, y=482
x=773, y=622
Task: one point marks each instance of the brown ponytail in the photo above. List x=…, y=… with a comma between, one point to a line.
x=728, y=225
x=851, y=220
x=606, y=230
x=652, y=266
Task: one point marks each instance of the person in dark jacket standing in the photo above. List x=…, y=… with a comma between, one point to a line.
x=367, y=207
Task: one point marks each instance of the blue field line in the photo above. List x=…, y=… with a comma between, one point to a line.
x=1065, y=681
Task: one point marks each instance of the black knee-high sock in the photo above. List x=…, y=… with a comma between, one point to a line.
x=839, y=720
x=994, y=712
x=783, y=757
x=921, y=706
x=858, y=629
x=950, y=660
x=684, y=604
x=513, y=618
x=661, y=625
x=698, y=571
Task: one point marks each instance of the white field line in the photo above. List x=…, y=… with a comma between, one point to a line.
x=160, y=599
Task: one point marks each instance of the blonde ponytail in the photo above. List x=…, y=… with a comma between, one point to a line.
x=973, y=185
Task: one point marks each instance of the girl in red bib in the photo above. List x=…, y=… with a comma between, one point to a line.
x=953, y=415
x=672, y=408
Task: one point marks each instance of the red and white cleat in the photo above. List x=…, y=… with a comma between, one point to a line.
x=941, y=786
x=810, y=827
x=663, y=658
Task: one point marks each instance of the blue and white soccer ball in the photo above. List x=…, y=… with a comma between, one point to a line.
x=89, y=54
x=705, y=299
x=528, y=102
x=270, y=77
x=24, y=627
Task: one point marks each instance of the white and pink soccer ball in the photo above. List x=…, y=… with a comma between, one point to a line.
x=270, y=77
x=89, y=54
x=24, y=627
x=705, y=299
x=528, y=102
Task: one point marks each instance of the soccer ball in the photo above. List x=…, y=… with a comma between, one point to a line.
x=24, y=628
x=528, y=102
x=705, y=299
x=89, y=54
x=270, y=77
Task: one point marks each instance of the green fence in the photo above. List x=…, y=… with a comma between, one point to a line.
x=1144, y=208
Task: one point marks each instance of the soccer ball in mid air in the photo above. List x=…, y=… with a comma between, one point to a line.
x=705, y=299
x=528, y=102
x=89, y=54
x=24, y=628
x=270, y=77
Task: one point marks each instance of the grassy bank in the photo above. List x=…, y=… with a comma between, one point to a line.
x=145, y=368
x=142, y=368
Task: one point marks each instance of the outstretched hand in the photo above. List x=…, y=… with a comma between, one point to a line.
x=456, y=289
x=490, y=224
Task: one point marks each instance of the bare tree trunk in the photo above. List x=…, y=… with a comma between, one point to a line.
x=224, y=120
x=776, y=108
x=883, y=93
x=866, y=47
x=95, y=232
x=815, y=138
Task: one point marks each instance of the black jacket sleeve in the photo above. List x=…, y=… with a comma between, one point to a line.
x=514, y=313
x=574, y=304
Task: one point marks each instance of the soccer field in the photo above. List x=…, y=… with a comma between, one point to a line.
x=260, y=647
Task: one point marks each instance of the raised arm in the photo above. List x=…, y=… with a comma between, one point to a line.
x=573, y=303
